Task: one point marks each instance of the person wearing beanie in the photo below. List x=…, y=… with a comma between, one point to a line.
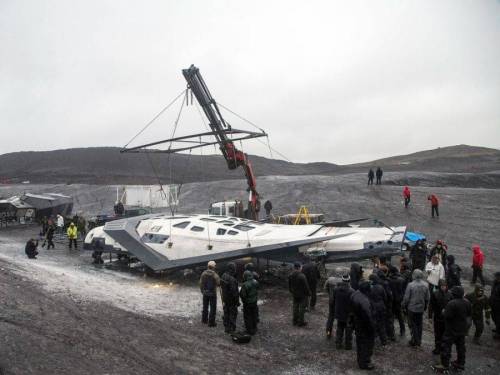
x=341, y=306
x=439, y=300
x=249, y=296
x=457, y=315
x=299, y=288
x=72, y=233
x=209, y=281
x=230, y=297
x=250, y=267
x=364, y=325
x=415, y=302
x=441, y=250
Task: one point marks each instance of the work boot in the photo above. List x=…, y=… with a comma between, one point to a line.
x=348, y=347
x=303, y=324
x=338, y=346
x=369, y=366
x=436, y=351
x=457, y=366
x=476, y=341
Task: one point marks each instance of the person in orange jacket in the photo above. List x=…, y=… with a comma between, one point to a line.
x=434, y=204
x=477, y=264
x=407, y=195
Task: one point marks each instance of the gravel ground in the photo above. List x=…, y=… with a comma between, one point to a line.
x=62, y=315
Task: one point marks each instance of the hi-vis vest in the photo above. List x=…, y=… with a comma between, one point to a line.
x=72, y=232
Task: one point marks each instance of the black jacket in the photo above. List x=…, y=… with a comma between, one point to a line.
x=355, y=274
x=363, y=314
x=297, y=284
x=30, y=248
x=268, y=206
x=342, y=301
x=397, y=284
x=453, y=274
x=418, y=256
x=495, y=298
x=378, y=297
x=50, y=233
x=388, y=291
x=229, y=289
x=439, y=300
x=406, y=275
x=312, y=273
x=457, y=315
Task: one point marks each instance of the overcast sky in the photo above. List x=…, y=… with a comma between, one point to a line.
x=336, y=81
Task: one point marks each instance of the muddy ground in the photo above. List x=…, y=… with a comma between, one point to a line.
x=62, y=315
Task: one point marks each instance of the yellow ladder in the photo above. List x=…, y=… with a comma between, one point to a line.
x=303, y=212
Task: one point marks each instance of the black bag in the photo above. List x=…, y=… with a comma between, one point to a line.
x=241, y=338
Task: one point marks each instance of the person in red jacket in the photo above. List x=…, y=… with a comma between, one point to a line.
x=434, y=204
x=477, y=264
x=406, y=195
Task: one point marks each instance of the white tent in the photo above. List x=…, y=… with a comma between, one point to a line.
x=151, y=196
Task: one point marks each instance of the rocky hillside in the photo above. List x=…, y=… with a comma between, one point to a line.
x=106, y=165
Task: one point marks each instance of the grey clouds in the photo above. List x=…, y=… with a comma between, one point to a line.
x=337, y=81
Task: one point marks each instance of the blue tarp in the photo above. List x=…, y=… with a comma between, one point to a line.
x=413, y=237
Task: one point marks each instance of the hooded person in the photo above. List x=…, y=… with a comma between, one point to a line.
x=397, y=284
x=230, y=298
x=209, y=281
x=457, y=316
x=249, y=296
x=495, y=304
x=406, y=196
x=31, y=248
x=453, y=273
x=342, y=309
x=477, y=264
x=480, y=310
x=415, y=302
x=364, y=325
x=356, y=275
x=72, y=233
x=439, y=299
x=378, y=298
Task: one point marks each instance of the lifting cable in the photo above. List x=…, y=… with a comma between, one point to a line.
x=257, y=127
x=155, y=118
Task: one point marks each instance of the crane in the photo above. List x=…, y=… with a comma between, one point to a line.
x=221, y=130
